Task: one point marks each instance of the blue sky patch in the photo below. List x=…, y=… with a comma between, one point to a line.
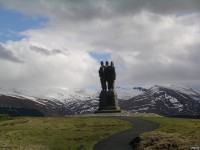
x=100, y=56
x=13, y=22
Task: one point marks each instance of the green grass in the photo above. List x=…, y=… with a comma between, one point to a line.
x=57, y=133
x=4, y=117
x=173, y=133
x=81, y=133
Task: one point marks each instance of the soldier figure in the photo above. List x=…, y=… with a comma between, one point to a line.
x=102, y=76
x=110, y=75
x=106, y=74
x=113, y=75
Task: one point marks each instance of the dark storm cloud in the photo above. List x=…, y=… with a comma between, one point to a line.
x=156, y=6
x=107, y=9
x=84, y=10
x=8, y=55
x=193, y=55
x=47, y=52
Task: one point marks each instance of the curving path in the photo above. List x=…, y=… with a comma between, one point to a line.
x=122, y=140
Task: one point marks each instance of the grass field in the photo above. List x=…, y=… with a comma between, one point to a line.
x=81, y=133
x=59, y=133
x=173, y=133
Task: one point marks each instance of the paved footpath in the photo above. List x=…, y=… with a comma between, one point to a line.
x=121, y=140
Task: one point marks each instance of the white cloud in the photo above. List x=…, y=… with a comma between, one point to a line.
x=6, y=54
x=73, y=70
x=149, y=42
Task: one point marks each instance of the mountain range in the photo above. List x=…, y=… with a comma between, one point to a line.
x=163, y=100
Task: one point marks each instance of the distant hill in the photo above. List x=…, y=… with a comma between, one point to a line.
x=163, y=100
x=56, y=101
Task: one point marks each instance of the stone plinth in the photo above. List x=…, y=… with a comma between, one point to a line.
x=108, y=102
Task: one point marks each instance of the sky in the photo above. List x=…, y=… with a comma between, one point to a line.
x=48, y=43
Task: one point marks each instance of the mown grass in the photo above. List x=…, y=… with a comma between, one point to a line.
x=57, y=133
x=173, y=133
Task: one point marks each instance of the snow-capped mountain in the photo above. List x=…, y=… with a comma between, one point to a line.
x=58, y=101
x=165, y=100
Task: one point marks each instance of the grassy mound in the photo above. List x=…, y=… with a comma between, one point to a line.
x=173, y=133
x=69, y=133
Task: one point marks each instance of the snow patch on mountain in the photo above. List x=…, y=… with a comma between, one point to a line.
x=180, y=89
x=195, y=95
x=65, y=95
x=127, y=93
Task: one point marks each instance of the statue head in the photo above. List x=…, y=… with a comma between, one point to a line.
x=111, y=63
x=102, y=64
x=107, y=63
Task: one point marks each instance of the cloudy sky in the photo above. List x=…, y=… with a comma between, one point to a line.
x=59, y=43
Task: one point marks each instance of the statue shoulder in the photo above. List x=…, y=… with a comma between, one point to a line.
x=101, y=68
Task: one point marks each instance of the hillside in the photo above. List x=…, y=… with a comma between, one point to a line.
x=165, y=100
x=55, y=101
x=162, y=100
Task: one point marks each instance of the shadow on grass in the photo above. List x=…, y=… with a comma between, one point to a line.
x=135, y=142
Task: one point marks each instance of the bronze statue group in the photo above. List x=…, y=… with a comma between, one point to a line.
x=107, y=76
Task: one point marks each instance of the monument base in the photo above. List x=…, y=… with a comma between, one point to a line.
x=108, y=111
x=108, y=102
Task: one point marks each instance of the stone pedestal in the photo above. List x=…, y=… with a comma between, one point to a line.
x=108, y=102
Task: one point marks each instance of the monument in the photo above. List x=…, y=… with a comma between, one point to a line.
x=108, y=102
